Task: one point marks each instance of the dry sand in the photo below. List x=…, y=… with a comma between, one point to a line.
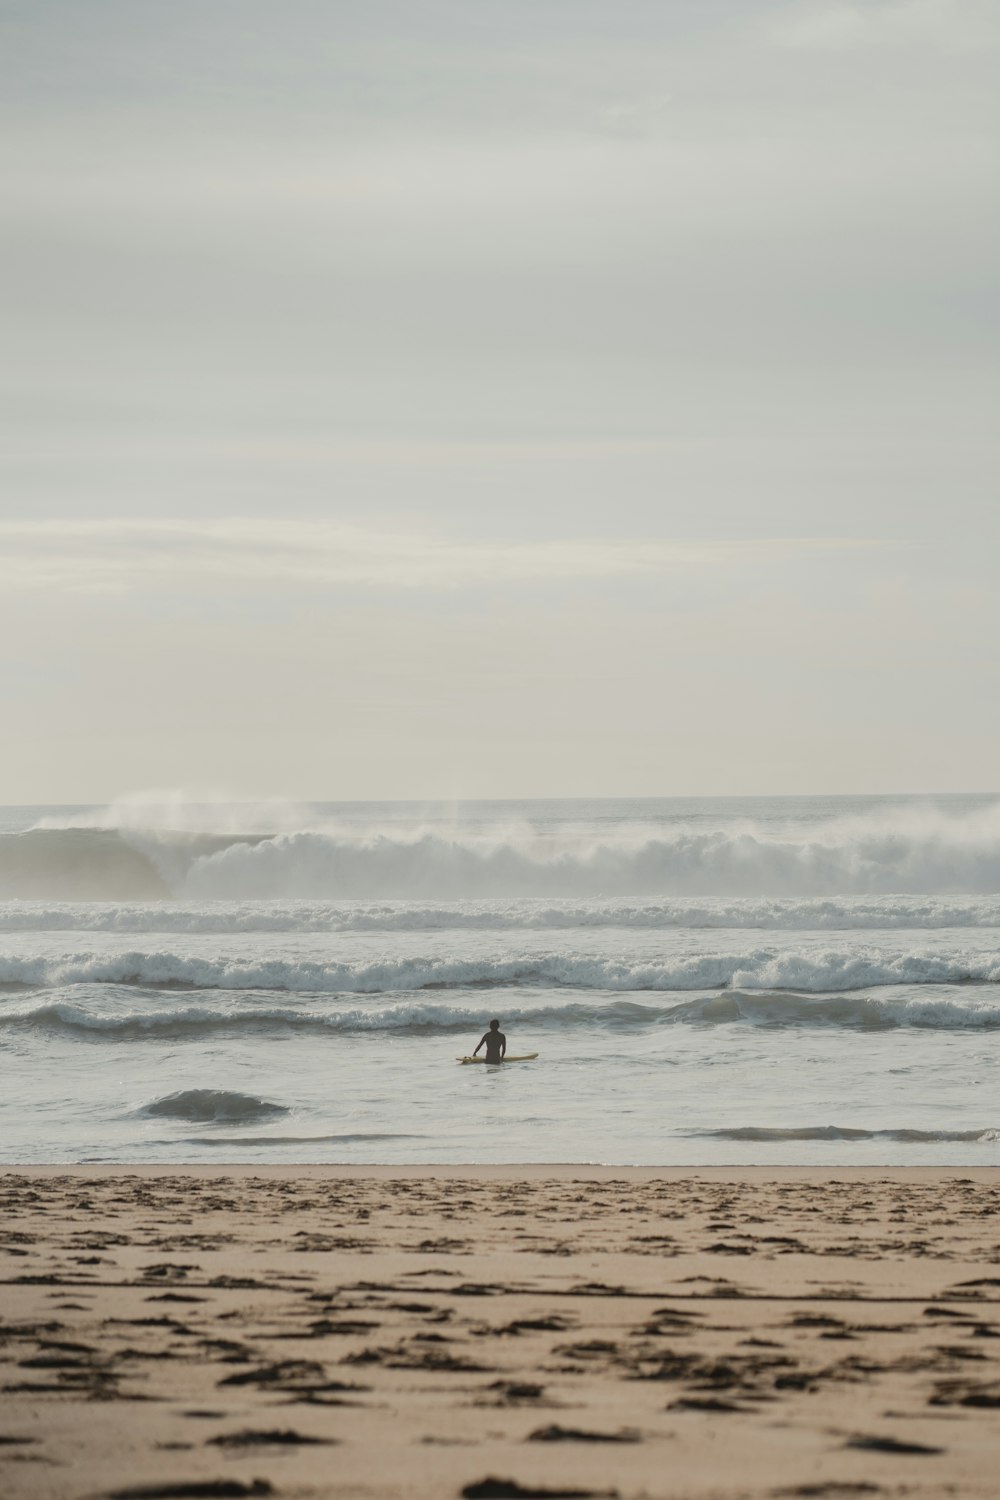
x=368, y=1332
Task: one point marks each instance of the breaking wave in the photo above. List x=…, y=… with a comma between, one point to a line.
x=937, y=1011
x=102, y=864
x=811, y=971
x=859, y=861
x=917, y=852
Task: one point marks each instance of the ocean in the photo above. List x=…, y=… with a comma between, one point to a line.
x=810, y=980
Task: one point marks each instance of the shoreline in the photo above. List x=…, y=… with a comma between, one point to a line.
x=526, y=1171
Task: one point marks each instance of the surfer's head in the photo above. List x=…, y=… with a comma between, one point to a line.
x=494, y=1025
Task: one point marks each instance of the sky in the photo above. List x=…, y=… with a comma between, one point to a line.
x=499, y=398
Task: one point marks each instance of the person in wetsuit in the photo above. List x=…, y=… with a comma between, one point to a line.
x=495, y=1043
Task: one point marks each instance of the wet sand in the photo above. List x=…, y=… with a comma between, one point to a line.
x=434, y=1332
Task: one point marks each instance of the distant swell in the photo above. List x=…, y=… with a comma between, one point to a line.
x=809, y=970
x=213, y=1104
x=846, y=1133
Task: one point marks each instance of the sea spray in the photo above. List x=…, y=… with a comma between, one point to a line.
x=768, y=849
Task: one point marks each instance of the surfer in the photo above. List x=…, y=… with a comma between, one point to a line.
x=495, y=1043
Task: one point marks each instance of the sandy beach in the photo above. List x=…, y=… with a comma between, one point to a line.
x=330, y=1331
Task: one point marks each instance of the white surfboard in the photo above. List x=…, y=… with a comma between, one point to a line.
x=523, y=1057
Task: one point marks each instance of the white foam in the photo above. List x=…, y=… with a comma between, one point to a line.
x=810, y=970
x=238, y=853
x=933, y=858
x=823, y=914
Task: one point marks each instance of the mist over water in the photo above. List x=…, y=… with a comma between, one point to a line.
x=802, y=979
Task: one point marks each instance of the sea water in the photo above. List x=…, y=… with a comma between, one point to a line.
x=786, y=980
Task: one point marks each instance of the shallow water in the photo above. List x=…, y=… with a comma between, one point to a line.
x=784, y=980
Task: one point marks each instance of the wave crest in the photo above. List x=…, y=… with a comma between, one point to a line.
x=916, y=851
x=810, y=971
x=416, y=1018
x=946, y=858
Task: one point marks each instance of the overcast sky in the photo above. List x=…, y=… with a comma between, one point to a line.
x=499, y=397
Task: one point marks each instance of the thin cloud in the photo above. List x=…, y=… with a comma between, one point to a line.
x=121, y=556
x=840, y=25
